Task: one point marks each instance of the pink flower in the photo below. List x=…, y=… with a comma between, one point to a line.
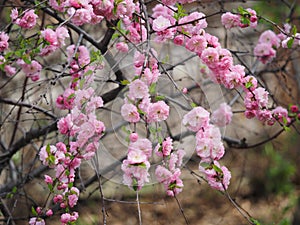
x=62, y=34
x=281, y=114
x=133, y=137
x=196, y=44
x=73, y=196
x=122, y=47
x=136, y=156
x=137, y=90
x=160, y=23
x=142, y=144
x=222, y=116
x=261, y=96
x=3, y=41
x=48, y=179
x=50, y=36
x=31, y=70
x=230, y=20
x=209, y=145
x=49, y=212
x=158, y=112
x=179, y=39
x=167, y=146
x=36, y=221
x=196, y=119
x=218, y=177
x=130, y=113
x=45, y=153
x=27, y=21
x=9, y=70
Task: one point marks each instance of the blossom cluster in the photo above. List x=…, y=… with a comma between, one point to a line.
x=266, y=47
x=83, y=131
x=209, y=147
x=81, y=127
x=169, y=172
x=244, y=18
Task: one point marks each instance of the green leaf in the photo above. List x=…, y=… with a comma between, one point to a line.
x=152, y=88
x=217, y=169
x=26, y=59
x=33, y=211
x=287, y=129
x=294, y=30
x=290, y=43
x=125, y=82
x=193, y=105
x=248, y=84
x=254, y=221
x=48, y=149
x=159, y=97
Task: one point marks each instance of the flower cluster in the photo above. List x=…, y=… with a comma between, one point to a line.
x=266, y=47
x=244, y=18
x=26, y=20
x=209, y=147
x=53, y=39
x=169, y=172
x=83, y=131
x=137, y=164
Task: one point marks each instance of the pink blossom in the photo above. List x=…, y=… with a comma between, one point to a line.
x=49, y=212
x=264, y=52
x=36, y=221
x=10, y=70
x=209, y=145
x=48, y=179
x=133, y=137
x=137, y=90
x=149, y=76
x=3, y=41
x=73, y=197
x=58, y=198
x=230, y=20
x=45, y=153
x=158, y=112
x=218, y=177
x=142, y=144
x=130, y=113
x=167, y=146
x=27, y=21
x=234, y=77
x=269, y=37
x=196, y=22
x=261, y=96
x=50, y=36
x=196, y=44
x=122, y=47
x=179, y=39
x=222, y=116
x=62, y=34
x=196, y=119
x=136, y=156
x=32, y=70
x=160, y=23
x=281, y=114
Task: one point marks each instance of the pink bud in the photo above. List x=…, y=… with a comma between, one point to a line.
x=48, y=179
x=49, y=212
x=38, y=210
x=133, y=137
x=184, y=90
x=294, y=108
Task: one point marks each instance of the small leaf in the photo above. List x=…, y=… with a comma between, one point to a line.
x=248, y=84
x=193, y=105
x=152, y=88
x=33, y=211
x=290, y=43
x=294, y=30
x=217, y=169
x=125, y=82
